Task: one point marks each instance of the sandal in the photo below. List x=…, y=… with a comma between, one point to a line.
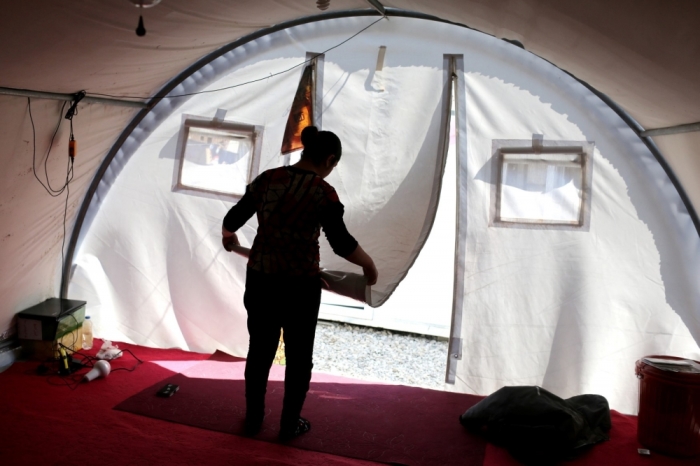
x=252, y=426
x=302, y=427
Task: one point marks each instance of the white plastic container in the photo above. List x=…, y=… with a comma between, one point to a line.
x=87, y=334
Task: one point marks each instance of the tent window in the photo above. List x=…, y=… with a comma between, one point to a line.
x=217, y=157
x=542, y=186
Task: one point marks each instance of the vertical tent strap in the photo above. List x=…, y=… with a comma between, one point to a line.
x=317, y=89
x=454, y=95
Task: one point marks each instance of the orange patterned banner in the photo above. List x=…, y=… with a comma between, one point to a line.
x=301, y=114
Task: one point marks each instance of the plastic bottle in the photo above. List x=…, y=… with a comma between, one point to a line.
x=87, y=333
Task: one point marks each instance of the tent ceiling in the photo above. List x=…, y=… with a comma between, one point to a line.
x=645, y=56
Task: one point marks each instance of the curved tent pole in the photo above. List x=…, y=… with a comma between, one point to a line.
x=180, y=78
x=651, y=145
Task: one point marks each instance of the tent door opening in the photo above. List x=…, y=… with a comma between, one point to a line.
x=423, y=302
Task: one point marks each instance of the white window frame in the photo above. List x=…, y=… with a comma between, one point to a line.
x=539, y=150
x=190, y=121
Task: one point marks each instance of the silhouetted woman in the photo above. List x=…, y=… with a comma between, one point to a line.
x=283, y=288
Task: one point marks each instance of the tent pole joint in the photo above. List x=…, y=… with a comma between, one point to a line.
x=71, y=97
x=678, y=129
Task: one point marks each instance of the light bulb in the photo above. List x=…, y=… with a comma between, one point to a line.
x=145, y=3
x=100, y=369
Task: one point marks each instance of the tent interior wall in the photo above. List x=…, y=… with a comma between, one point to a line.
x=566, y=308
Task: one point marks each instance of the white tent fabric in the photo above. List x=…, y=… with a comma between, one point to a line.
x=422, y=303
x=386, y=179
x=568, y=309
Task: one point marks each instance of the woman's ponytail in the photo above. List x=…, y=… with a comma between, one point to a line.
x=318, y=145
x=308, y=136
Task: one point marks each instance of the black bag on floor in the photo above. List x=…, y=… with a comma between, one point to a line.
x=538, y=427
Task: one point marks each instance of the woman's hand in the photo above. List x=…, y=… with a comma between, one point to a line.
x=229, y=239
x=361, y=258
x=371, y=274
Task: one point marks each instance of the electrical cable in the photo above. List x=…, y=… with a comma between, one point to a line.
x=126, y=368
x=65, y=216
x=65, y=210
x=69, y=169
x=75, y=379
x=92, y=359
x=75, y=336
x=247, y=82
x=71, y=381
x=52, y=192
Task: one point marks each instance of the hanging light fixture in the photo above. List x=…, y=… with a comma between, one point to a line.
x=145, y=3
x=323, y=4
x=140, y=29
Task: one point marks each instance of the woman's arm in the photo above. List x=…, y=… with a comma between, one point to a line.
x=342, y=242
x=236, y=218
x=361, y=258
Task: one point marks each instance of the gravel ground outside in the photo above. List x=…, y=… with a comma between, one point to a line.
x=380, y=355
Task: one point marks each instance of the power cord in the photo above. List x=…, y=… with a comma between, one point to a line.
x=51, y=367
x=49, y=189
x=72, y=111
x=92, y=359
x=75, y=379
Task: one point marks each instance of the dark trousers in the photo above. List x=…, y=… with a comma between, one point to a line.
x=274, y=303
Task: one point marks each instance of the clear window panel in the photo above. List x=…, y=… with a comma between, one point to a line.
x=547, y=190
x=217, y=160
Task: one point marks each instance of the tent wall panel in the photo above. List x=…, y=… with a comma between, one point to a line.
x=32, y=221
x=570, y=310
x=163, y=259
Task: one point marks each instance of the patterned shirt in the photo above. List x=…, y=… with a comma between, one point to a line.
x=291, y=204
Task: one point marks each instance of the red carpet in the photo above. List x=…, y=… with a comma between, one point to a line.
x=41, y=423
x=387, y=423
x=47, y=424
x=620, y=450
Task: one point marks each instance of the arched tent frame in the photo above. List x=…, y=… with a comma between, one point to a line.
x=198, y=75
